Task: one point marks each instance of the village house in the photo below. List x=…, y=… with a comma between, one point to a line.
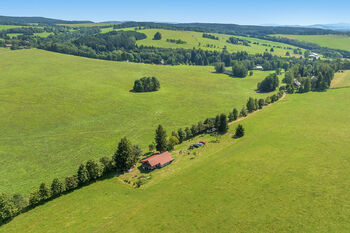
x=258, y=67
x=314, y=56
x=157, y=161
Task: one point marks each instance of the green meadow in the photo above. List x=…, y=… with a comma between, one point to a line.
x=59, y=110
x=341, y=42
x=195, y=40
x=289, y=173
x=5, y=27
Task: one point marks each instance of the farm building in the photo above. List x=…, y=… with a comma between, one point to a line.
x=157, y=161
x=258, y=67
x=314, y=56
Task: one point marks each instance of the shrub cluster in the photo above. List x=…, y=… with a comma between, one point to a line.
x=210, y=36
x=146, y=84
x=270, y=83
x=176, y=41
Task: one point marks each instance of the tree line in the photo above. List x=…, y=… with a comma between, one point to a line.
x=176, y=41
x=210, y=36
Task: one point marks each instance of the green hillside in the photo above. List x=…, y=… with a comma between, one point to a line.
x=59, y=110
x=330, y=41
x=195, y=40
x=288, y=174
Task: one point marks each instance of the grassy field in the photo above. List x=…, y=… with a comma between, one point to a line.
x=59, y=110
x=5, y=27
x=331, y=41
x=288, y=174
x=341, y=80
x=195, y=40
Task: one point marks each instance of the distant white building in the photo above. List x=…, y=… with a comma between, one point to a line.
x=258, y=67
x=297, y=83
x=314, y=56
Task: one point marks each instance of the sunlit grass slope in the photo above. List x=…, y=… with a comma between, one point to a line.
x=288, y=174
x=331, y=41
x=195, y=40
x=59, y=110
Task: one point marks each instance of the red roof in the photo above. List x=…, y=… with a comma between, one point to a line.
x=161, y=159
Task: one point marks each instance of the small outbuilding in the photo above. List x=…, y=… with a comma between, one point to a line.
x=157, y=161
x=258, y=67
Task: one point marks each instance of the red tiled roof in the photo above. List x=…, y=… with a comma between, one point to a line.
x=161, y=159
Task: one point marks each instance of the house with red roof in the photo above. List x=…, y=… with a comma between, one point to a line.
x=157, y=161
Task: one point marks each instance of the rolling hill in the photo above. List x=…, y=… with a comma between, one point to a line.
x=59, y=110
x=288, y=174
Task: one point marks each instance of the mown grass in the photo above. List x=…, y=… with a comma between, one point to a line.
x=59, y=110
x=331, y=41
x=195, y=40
x=289, y=173
x=341, y=80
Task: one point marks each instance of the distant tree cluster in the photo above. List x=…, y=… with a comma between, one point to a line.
x=210, y=36
x=239, y=69
x=157, y=36
x=270, y=83
x=146, y=84
x=176, y=41
x=238, y=41
x=307, y=77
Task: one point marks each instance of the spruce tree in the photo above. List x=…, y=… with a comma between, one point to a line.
x=230, y=117
x=235, y=114
x=239, y=131
x=251, y=105
x=181, y=135
x=161, y=139
x=124, y=150
x=223, y=124
x=217, y=122
x=243, y=112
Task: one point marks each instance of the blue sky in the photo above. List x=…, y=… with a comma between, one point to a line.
x=297, y=12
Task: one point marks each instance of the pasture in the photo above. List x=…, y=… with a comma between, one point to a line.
x=195, y=40
x=59, y=110
x=288, y=174
x=331, y=41
x=5, y=27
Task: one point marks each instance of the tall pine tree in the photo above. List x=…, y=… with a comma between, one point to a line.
x=161, y=139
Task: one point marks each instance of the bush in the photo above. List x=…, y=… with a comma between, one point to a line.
x=94, y=169
x=220, y=67
x=71, y=182
x=57, y=187
x=239, y=70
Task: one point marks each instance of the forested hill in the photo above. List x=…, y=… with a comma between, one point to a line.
x=235, y=29
x=38, y=20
